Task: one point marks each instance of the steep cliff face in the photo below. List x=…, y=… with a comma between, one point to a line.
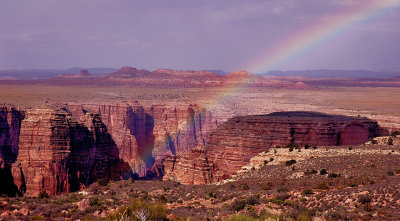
x=143, y=135
x=193, y=168
x=58, y=151
x=178, y=129
x=57, y=154
x=10, y=122
x=236, y=141
x=132, y=130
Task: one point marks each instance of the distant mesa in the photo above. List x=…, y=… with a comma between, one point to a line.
x=301, y=85
x=186, y=73
x=84, y=73
x=239, y=74
x=128, y=69
x=127, y=75
x=129, y=72
x=81, y=74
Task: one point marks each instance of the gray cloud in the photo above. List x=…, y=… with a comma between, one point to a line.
x=181, y=34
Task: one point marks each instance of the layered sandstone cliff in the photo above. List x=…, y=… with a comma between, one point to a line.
x=143, y=135
x=235, y=142
x=57, y=154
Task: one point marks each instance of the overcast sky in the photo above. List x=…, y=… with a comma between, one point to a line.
x=185, y=34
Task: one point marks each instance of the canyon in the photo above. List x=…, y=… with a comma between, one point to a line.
x=232, y=145
x=74, y=129
x=65, y=149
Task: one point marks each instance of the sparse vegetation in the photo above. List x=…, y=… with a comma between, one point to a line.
x=364, y=199
x=310, y=172
x=140, y=210
x=390, y=173
x=395, y=133
x=238, y=204
x=307, y=192
x=390, y=141
x=333, y=175
x=290, y=162
x=102, y=182
x=43, y=194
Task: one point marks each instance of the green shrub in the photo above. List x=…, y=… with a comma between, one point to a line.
x=241, y=217
x=292, y=145
x=322, y=186
x=290, y=162
x=282, y=189
x=395, y=133
x=323, y=172
x=306, y=146
x=102, y=182
x=95, y=201
x=244, y=186
x=390, y=173
x=162, y=198
x=43, y=194
x=253, y=200
x=212, y=194
x=309, y=172
x=390, y=141
x=304, y=216
x=266, y=186
x=231, y=186
x=333, y=175
x=238, y=204
x=307, y=192
x=276, y=201
x=36, y=217
x=154, y=211
x=364, y=199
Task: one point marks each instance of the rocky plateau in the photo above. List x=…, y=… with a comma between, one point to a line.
x=232, y=145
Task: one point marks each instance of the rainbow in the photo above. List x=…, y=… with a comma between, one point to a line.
x=303, y=41
x=321, y=32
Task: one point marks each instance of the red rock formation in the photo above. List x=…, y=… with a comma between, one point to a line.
x=239, y=74
x=129, y=72
x=132, y=130
x=194, y=168
x=143, y=135
x=10, y=122
x=179, y=129
x=235, y=142
x=56, y=154
x=62, y=150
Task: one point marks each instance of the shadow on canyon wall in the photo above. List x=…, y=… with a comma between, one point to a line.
x=10, y=124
